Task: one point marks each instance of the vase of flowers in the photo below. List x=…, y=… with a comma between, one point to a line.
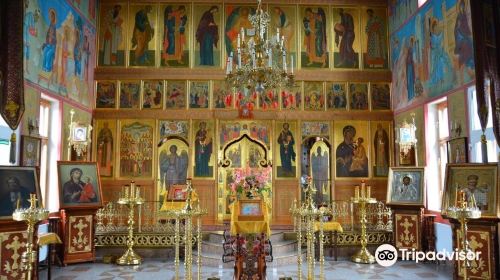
x=251, y=182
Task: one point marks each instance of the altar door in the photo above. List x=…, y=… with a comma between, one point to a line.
x=241, y=153
x=316, y=162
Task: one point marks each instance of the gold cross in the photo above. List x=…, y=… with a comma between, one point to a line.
x=15, y=246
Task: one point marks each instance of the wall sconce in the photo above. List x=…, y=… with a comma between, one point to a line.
x=79, y=136
x=407, y=140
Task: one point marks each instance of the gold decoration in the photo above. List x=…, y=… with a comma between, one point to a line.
x=463, y=211
x=308, y=213
x=363, y=255
x=130, y=197
x=31, y=216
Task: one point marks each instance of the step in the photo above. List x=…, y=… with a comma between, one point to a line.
x=212, y=260
x=217, y=237
x=284, y=247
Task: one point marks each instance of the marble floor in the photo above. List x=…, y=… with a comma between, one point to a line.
x=156, y=269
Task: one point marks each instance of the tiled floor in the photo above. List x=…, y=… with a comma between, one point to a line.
x=155, y=269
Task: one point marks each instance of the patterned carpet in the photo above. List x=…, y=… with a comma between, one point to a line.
x=156, y=269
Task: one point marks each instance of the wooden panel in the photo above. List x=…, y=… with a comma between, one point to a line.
x=111, y=189
x=407, y=230
x=78, y=235
x=284, y=192
x=482, y=237
x=233, y=114
x=207, y=196
x=13, y=244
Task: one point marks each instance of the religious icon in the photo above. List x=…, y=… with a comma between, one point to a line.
x=346, y=44
x=320, y=170
x=228, y=131
x=352, y=149
x=143, y=35
x=406, y=186
x=284, y=18
x=237, y=19
x=16, y=185
x=259, y=131
x=314, y=98
x=479, y=184
x=49, y=47
x=381, y=96
x=314, y=36
x=130, y=94
x=105, y=94
x=286, y=166
x=112, y=35
x=203, y=148
x=136, y=148
x=106, y=131
x=175, y=27
x=268, y=100
x=457, y=150
x=463, y=38
x=198, y=94
x=320, y=129
x=79, y=184
x=336, y=96
x=173, y=163
x=374, y=35
x=175, y=97
x=152, y=94
x=358, y=96
x=207, y=20
x=222, y=97
x=177, y=128
x=381, y=148
x=30, y=150
x=291, y=98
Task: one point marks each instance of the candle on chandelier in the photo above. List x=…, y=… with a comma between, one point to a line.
x=363, y=191
x=126, y=192
x=368, y=191
x=132, y=189
x=356, y=193
x=137, y=192
x=291, y=62
x=277, y=34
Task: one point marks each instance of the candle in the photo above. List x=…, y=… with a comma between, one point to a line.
x=363, y=191
x=291, y=70
x=18, y=203
x=137, y=192
x=277, y=34
x=368, y=191
x=227, y=65
x=473, y=201
x=239, y=41
x=270, y=61
x=356, y=192
x=243, y=34
x=126, y=192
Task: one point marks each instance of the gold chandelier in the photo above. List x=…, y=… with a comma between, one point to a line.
x=260, y=63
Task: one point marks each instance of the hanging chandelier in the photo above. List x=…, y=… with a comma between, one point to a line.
x=260, y=63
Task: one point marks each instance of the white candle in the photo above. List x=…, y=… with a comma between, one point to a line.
x=277, y=34
x=291, y=69
x=270, y=58
x=243, y=34
x=227, y=65
x=284, y=61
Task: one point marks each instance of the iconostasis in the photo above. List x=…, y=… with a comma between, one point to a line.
x=163, y=112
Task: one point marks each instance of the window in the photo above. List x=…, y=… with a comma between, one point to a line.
x=50, y=132
x=44, y=134
x=475, y=131
x=5, y=134
x=437, y=135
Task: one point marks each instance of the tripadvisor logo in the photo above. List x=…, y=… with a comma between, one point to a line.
x=387, y=255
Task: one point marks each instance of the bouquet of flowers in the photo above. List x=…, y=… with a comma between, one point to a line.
x=251, y=181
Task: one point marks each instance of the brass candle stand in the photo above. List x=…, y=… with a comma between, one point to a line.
x=31, y=216
x=463, y=211
x=307, y=214
x=363, y=255
x=130, y=196
x=187, y=214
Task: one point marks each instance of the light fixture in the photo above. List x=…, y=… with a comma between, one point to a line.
x=260, y=63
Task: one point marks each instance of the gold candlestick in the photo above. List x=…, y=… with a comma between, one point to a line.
x=31, y=216
x=363, y=255
x=130, y=257
x=464, y=212
x=307, y=213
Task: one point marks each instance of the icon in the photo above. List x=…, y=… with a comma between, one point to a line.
x=386, y=255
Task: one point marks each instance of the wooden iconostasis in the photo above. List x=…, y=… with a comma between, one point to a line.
x=163, y=112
